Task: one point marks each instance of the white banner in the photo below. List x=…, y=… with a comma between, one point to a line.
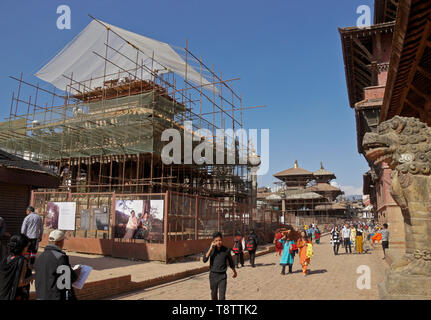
x=157, y=207
x=66, y=218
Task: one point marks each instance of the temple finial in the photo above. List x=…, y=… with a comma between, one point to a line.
x=296, y=164
x=321, y=165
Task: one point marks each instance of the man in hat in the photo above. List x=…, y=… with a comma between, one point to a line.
x=32, y=227
x=52, y=265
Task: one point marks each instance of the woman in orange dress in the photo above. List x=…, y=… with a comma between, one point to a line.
x=302, y=246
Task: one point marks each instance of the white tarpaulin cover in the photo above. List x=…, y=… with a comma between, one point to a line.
x=78, y=61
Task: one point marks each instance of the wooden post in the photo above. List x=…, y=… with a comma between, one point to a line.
x=218, y=216
x=197, y=217
x=165, y=224
x=114, y=197
x=32, y=198
x=234, y=220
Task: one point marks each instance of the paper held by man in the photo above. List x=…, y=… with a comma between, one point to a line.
x=83, y=275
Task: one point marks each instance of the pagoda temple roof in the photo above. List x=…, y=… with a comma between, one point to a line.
x=323, y=172
x=295, y=171
x=357, y=44
x=302, y=195
x=323, y=187
x=331, y=206
x=409, y=78
x=385, y=11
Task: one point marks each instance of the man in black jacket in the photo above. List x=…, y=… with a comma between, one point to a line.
x=219, y=257
x=54, y=275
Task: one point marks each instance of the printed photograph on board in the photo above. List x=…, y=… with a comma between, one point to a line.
x=52, y=213
x=101, y=219
x=61, y=215
x=139, y=219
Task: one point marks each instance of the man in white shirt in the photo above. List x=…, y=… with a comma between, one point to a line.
x=345, y=233
x=32, y=227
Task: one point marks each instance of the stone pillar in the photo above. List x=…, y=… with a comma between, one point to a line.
x=406, y=143
x=389, y=212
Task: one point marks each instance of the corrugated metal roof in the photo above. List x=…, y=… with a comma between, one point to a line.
x=11, y=161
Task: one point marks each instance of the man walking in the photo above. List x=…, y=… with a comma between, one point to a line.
x=385, y=239
x=32, y=227
x=238, y=247
x=48, y=284
x=345, y=232
x=252, y=246
x=219, y=257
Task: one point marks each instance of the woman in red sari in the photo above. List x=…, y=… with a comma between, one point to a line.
x=302, y=246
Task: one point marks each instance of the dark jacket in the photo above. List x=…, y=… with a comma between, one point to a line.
x=219, y=259
x=253, y=237
x=10, y=273
x=46, y=275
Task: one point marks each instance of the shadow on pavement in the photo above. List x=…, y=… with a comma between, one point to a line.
x=264, y=264
x=317, y=271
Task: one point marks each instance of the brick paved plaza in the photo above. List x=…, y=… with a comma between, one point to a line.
x=331, y=277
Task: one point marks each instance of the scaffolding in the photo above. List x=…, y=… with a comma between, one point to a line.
x=105, y=138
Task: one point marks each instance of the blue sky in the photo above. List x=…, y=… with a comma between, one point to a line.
x=287, y=53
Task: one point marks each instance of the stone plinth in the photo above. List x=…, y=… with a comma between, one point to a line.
x=405, y=287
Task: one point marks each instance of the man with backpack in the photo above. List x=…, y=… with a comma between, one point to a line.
x=238, y=249
x=252, y=246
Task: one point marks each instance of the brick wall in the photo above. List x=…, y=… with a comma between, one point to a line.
x=374, y=92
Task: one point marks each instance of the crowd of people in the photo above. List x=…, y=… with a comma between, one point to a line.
x=19, y=267
x=288, y=243
x=356, y=237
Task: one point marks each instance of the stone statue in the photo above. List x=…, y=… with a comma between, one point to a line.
x=405, y=145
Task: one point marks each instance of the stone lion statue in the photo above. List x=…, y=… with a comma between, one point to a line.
x=405, y=145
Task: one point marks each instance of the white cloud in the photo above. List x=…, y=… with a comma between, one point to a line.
x=348, y=190
x=334, y=184
x=351, y=190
